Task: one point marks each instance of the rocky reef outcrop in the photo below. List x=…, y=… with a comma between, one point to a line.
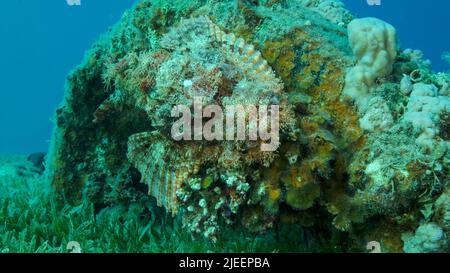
x=363, y=147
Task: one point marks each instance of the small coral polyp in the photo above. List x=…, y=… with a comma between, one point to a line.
x=364, y=126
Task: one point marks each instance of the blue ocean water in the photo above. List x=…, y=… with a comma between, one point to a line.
x=41, y=41
x=420, y=24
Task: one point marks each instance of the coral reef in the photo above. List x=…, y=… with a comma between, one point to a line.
x=424, y=111
x=428, y=238
x=442, y=210
x=364, y=126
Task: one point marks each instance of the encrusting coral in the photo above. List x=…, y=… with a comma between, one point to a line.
x=333, y=10
x=424, y=111
x=428, y=238
x=364, y=137
x=442, y=215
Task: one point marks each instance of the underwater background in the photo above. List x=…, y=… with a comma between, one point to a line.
x=70, y=59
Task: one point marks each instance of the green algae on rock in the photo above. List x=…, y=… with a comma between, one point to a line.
x=347, y=156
